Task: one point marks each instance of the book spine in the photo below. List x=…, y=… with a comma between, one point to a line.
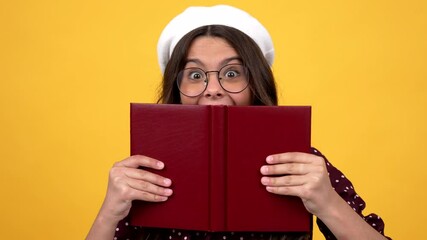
x=217, y=168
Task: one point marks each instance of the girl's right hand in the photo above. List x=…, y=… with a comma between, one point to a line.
x=127, y=183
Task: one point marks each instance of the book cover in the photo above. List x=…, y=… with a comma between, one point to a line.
x=213, y=154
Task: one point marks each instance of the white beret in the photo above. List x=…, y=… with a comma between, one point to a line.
x=194, y=17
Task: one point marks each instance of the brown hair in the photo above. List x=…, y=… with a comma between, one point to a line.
x=261, y=79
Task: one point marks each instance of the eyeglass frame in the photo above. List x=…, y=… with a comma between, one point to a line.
x=206, y=80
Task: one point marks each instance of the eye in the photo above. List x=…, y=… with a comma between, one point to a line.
x=231, y=74
x=195, y=75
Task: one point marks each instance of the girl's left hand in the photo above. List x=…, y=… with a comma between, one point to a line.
x=300, y=174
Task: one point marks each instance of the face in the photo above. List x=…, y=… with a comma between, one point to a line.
x=211, y=54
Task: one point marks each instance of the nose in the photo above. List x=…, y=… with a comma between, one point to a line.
x=214, y=89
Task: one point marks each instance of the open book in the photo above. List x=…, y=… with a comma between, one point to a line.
x=213, y=154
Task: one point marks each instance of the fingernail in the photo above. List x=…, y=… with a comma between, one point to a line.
x=160, y=165
x=161, y=198
x=167, y=181
x=264, y=169
x=264, y=180
x=168, y=191
x=269, y=159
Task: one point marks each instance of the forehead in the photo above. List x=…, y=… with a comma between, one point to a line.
x=211, y=51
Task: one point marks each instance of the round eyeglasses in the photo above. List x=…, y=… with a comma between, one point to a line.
x=192, y=82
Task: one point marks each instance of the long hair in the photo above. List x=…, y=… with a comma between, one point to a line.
x=261, y=79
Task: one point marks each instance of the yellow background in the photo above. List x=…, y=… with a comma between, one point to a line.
x=69, y=69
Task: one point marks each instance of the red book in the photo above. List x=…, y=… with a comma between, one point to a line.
x=213, y=154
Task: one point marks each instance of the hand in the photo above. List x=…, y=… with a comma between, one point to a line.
x=302, y=175
x=127, y=183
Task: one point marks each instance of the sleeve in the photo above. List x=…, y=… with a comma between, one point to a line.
x=124, y=231
x=345, y=189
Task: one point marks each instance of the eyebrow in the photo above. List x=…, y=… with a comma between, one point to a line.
x=222, y=63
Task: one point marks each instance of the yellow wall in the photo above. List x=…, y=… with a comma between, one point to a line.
x=68, y=70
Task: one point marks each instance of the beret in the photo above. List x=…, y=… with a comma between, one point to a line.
x=197, y=16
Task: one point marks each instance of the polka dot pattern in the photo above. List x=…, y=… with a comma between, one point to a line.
x=174, y=234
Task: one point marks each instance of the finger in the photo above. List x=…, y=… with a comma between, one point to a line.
x=136, y=161
x=149, y=188
x=140, y=174
x=284, y=181
x=290, y=157
x=146, y=196
x=287, y=168
x=288, y=190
